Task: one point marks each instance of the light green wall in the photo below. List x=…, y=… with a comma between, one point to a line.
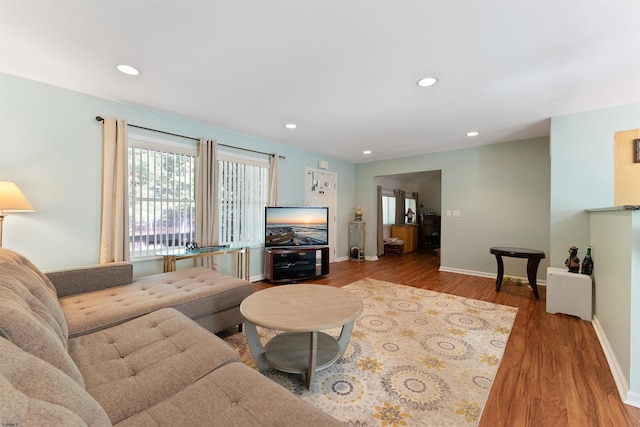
x=51, y=146
x=502, y=191
x=634, y=382
x=582, y=173
x=617, y=285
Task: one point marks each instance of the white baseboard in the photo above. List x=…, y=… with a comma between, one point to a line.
x=487, y=275
x=256, y=278
x=614, y=366
x=467, y=272
x=633, y=399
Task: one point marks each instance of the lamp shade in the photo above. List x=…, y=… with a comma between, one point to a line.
x=12, y=200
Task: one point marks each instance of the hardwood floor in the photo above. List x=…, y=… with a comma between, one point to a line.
x=553, y=373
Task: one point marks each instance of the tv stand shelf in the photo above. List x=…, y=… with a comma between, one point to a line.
x=290, y=264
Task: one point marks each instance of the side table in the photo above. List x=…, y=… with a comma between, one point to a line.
x=171, y=255
x=533, y=261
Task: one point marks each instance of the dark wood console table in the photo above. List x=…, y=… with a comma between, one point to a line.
x=533, y=260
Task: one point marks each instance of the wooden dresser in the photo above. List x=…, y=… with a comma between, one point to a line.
x=408, y=233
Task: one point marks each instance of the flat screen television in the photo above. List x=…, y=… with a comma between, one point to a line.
x=296, y=226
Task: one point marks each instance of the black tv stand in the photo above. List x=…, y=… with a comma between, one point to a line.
x=291, y=264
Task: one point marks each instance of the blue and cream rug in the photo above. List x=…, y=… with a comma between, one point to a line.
x=416, y=358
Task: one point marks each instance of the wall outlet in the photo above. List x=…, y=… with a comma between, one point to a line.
x=448, y=212
x=456, y=213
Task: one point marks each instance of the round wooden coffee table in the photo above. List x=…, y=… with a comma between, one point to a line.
x=301, y=312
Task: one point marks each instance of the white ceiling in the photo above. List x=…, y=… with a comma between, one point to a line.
x=344, y=71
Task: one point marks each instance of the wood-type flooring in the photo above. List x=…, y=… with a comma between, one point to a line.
x=553, y=373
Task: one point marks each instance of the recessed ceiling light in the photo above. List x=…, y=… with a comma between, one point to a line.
x=427, y=81
x=474, y=133
x=291, y=126
x=128, y=69
x=366, y=152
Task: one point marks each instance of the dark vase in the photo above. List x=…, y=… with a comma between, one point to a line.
x=587, y=263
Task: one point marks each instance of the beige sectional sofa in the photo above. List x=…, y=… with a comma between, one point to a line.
x=156, y=368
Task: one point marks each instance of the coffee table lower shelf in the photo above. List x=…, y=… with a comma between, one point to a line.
x=298, y=352
x=290, y=351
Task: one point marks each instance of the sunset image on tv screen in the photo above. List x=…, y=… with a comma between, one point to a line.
x=297, y=216
x=296, y=226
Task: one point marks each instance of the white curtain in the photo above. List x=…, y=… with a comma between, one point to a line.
x=114, y=239
x=273, y=179
x=207, y=198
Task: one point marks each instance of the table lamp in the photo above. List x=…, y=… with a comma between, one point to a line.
x=11, y=201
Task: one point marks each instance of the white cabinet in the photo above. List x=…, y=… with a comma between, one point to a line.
x=569, y=293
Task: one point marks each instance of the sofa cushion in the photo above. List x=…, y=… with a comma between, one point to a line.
x=30, y=316
x=16, y=266
x=233, y=395
x=133, y=366
x=34, y=393
x=196, y=292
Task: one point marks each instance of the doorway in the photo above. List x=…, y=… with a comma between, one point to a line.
x=428, y=185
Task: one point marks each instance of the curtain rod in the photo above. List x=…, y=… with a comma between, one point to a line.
x=100, y=119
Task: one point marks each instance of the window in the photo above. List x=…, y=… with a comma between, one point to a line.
x=243, y=194
x=410, y=203
x=161, y=196
x=388, y=209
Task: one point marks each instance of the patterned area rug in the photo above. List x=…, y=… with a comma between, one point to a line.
x=416, y=358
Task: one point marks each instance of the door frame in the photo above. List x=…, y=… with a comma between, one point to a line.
x=333, y=220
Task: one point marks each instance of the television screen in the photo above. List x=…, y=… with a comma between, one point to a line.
x=296, y=226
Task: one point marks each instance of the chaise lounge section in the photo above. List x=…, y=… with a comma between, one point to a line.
x=157, y=369
x=100, y=296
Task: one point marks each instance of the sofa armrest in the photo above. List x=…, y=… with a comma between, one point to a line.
x=72, y=281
